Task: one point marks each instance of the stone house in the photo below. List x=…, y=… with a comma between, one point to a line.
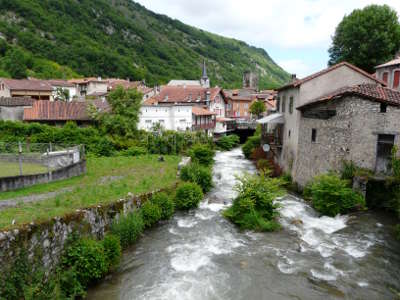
x=35, y=89
x=300, y=92
x=360, y=123
x=390, y=73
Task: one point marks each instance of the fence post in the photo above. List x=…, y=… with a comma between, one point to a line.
x=20, y=158
x=48, y=164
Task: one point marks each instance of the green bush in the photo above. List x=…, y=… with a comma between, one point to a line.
x=112, y=250
x=264, y=166
x=151, y=213
x=252, y=143
x=188, y=195
x=254, y=206
x=349, y=170
x=198, y=174
x=70, y=285
x=88, y=259
x=134, y=151
x=128, y=228
x=202, y=154
x=228, y=142
x=166, y=203
x=331, y=195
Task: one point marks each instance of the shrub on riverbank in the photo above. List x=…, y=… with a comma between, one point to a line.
x=196, y=173
x=251, y=144
x=112, y=250
x=188, y=195
x=166, y=203
x=128, y=228
x=254, y=206
x=331, y=195
x=228, y=142
x=202, y=154
x=151, y=213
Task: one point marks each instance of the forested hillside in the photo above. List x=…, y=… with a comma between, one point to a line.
x=119, y=38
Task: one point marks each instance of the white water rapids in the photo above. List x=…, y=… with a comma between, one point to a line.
x=200, y=255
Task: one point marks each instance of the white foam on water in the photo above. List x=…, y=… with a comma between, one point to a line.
x=363, y=284
x=323, y=276
x=202, y=215
x=186, y=223
x=287, y=265
x=214, y=207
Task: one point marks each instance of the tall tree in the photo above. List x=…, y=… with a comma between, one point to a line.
x=367, y=37
x=257, y=108
x=124, y=115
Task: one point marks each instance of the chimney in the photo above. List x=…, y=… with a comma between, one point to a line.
x=99, y=78
x=294, y=77
x=166, y=98
x=208, y=94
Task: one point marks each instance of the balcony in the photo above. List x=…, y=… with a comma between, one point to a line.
x=196, y=127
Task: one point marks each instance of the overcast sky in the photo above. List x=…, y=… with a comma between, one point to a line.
x=296, y=33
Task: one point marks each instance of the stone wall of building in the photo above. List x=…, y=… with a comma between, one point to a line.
x=350, y=135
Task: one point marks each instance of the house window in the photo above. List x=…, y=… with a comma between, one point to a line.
x=396, y=79
x=313, y=135
x=289, y=132
x=278, y=104
x=385, y=77
x=246, y=105
x=284, y=104
x=384, y=152
x=291, y=105
x=383, y=107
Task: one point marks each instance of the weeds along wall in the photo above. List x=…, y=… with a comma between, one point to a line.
x=44, y=242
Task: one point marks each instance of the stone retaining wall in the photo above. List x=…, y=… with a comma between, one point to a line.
x=44, y=242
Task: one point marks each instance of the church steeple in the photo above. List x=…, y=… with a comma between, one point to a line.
x=205, y=81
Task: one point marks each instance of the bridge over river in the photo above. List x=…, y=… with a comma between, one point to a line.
x=200, y=255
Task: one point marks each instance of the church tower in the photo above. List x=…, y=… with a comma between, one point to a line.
x=205, y=81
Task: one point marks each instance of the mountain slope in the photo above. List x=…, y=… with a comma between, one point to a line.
x=120, y=38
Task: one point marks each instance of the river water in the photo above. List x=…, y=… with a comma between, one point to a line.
x=200, y=255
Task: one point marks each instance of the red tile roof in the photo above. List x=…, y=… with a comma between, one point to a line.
x=199, y=111
x=86, y=80
x=61, y=111
x=60, y=82
x=179, y=94
x=27, y=85
x=370, y=91
x=299, y=82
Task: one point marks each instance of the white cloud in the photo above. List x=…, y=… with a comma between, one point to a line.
x=296, y=66
x=289, y=25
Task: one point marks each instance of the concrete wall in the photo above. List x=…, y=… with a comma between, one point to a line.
x=4, y=90
x=96, y=87
x=45, y=241
x=350, y=135
x=12, y=113
x=17, y=182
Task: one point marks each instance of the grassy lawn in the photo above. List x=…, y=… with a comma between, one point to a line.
x=12, y=169
x=108, y=179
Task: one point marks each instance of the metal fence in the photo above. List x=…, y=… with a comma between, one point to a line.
x=17, y=159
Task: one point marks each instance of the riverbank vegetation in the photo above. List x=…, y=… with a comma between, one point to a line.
x=252, y=143
x=254, y=207
x=228, y=142
x=188, y=195
x=85, y=261
x=331, y=195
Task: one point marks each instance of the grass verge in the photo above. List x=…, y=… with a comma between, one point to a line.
x=108, y=179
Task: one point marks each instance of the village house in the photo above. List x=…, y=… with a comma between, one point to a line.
x=390, y=73
x=183, y=108
x=90, y=87
x=139, y=85
x=63, y=85
x=284, y=130
x=35, y=89
x=238, y=103
x=360, y=123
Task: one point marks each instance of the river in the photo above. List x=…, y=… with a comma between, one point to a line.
x=200, y=255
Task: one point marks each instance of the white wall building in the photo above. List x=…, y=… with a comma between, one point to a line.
x=171, y=117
